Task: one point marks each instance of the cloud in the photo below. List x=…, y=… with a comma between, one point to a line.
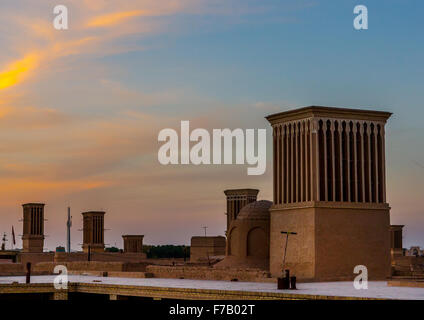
x=17, y=71
x=114, y=18
x=39, y=45
x=74, y=127
x=28, y=186
x=31, y=118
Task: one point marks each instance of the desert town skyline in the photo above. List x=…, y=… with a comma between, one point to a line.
x=86, y=136
x=175, y=153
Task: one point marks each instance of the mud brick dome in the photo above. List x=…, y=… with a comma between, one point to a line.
x=258, y=210
x=248, y=237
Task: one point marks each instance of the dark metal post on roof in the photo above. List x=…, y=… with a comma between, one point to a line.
x=287, y=233
x=28, y=273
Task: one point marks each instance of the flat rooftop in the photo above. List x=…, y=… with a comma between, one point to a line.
x=318, y=290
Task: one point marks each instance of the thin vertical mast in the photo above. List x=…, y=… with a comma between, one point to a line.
x=68, y=231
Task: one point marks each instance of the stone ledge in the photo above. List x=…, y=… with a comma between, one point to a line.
x=163, y=292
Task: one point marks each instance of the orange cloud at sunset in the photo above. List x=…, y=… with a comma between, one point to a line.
x=18, y=185
x=36, y=188
x=75, y=131
x=113, y=18
x=16, y=71
x=5, y=110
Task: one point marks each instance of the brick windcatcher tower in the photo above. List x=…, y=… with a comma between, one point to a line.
x=133, y=243
x=329, y=183
x=236, y=200
x=33, y=227
x=93, y=231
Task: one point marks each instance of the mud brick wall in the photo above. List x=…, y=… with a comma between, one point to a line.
x=92, y=266
x=207, y=273
x=11, y=269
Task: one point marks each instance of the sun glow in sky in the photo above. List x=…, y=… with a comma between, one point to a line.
x=80, y=109
x=17, y=71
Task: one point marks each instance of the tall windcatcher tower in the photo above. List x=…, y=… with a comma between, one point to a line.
x=93, y=231
x=329, y=182
x=236, y=200
x=33, y=227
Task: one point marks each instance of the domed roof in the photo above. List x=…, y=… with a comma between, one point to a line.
x=258, y=210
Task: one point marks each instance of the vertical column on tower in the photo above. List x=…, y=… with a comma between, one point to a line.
x=348, y=161
x=307, y=161
x=382, y=175
x=376, y=164
x=302, y=163
x=315, y=159
x=274, y=170
x=292, y=150
x=362, y=146
x=354, y=149
x=333, y=162
x=278, y=167
x=282, y=176
x=287, y=164
x=369, y=164
x=340, y=159
x=296, y=162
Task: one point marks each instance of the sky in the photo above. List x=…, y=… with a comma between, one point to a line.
x=81, y=109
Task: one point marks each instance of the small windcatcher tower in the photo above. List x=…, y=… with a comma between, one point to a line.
x=93, y=231
x=330, y=188
x=236, y=200
x=396, y=244
x=33, y=227
x=133, y=243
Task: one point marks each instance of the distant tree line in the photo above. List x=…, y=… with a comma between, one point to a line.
x=166, y=251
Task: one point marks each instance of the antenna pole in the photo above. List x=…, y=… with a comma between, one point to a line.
x=68, y=231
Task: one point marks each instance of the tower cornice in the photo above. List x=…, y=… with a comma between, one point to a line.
x=328, y=112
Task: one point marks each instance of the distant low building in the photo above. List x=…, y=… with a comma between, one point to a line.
x=205, y=248
x=133, y=243
x=414, y=251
